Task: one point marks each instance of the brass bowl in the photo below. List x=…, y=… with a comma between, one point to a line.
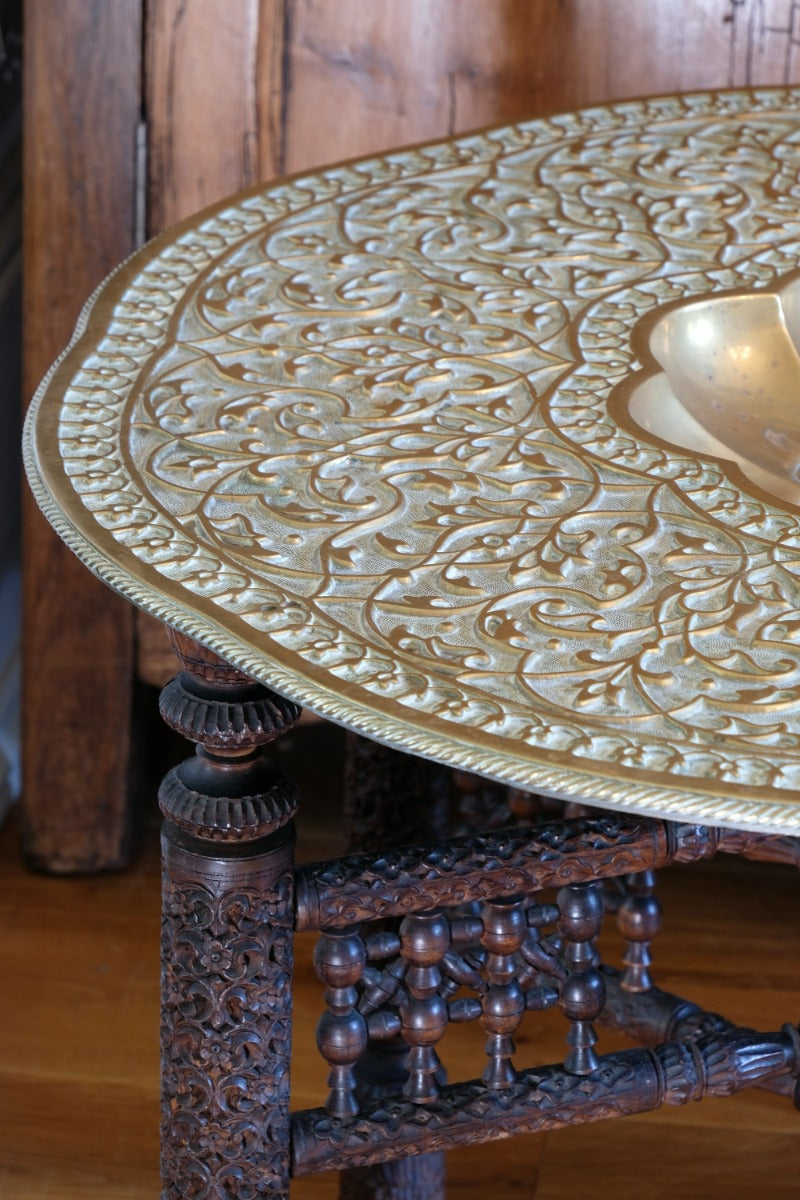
x=728, y=384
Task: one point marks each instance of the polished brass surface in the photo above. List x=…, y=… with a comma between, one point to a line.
x=729, y=384
x=368, y=434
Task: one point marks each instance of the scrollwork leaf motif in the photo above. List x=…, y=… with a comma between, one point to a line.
x=380, y=403
x=226, y=1037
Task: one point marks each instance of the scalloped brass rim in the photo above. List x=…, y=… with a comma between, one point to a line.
x=699, y=797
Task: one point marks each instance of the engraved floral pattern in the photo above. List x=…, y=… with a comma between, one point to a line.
x=226, y=1038
x=363, y=416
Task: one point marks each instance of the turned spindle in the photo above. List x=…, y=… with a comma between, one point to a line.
x=425, y=939
x=504, y=930
x=339, y=960
x=583, y=989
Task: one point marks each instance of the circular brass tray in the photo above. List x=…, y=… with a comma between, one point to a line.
x=366, y=433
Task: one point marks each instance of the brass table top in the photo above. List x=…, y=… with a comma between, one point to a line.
x=366, y=433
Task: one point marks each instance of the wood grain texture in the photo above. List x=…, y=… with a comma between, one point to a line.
x=264, y=87
x=361, y=78
x=201, y=69
x=81, y=79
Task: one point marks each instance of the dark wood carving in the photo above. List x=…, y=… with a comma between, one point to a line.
x=472, y=947
x=639, y=918
x=227, y=938
x=631, y=1081
x=415, y=981
x=380, y=1074
x=760, y=847
x=390, y=798
x=658, y=1016
x=339, y=959
x=583, y=989
x=503, y=935
x=226, y=1032
x=520, y=860
x=454, y=937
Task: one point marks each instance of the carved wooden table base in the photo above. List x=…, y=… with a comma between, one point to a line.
x=410, y=940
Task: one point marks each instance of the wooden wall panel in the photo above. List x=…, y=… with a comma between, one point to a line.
x=363, y=77
x=622, y=48
x=81, y=100
x=367, y=77
x=202, y=79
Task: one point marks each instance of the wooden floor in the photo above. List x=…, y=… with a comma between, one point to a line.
x=78, y=1041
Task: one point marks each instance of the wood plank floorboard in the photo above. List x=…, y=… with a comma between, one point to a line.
x=79, y=1028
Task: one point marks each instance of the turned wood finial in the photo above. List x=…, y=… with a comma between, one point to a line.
x=228, y=790
x=639, y=920
x=203, y=663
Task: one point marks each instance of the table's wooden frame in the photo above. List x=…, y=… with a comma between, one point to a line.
x=233, y=898
x=232, y=894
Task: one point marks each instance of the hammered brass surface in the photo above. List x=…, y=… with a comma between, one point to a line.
x=366, y=433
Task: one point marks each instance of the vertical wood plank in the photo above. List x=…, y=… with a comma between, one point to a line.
x=202, y=104
x=620, y=48
x=81, y=81
x=764, y=41
x=214, y=111
x=364, y=78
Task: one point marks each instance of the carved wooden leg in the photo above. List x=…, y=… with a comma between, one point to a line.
x=227, y=938
x=391, y=798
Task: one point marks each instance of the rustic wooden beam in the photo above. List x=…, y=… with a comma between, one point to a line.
x=82, y=110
